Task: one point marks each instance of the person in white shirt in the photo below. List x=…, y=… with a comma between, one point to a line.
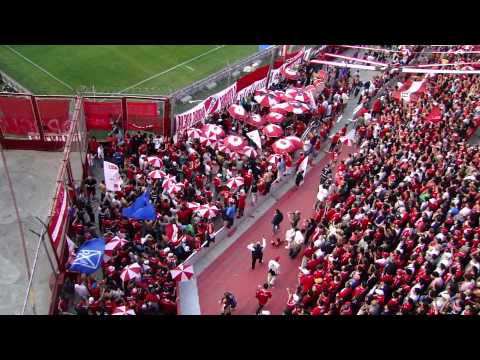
x=273, y=271
x=81, y=291
x=321, y=196
x=297, y=243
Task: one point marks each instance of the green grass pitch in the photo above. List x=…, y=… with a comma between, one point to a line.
x=57, y=69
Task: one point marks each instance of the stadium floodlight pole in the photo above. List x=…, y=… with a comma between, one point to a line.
x=14, y=200
x=272, y=62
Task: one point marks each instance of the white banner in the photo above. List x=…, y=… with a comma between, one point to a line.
x=113, y=181
x=249, y=90
x=255, y=136
x=275, y=77
x=303, y=166
x=210, y=105
x=191, y=117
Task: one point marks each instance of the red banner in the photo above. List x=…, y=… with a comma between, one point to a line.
x=54, y=115
x=16, y=116
x=99, y=115
x=143, y=116
x=59, y=217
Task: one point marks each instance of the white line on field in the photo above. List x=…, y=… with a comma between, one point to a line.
x=173, y=68
x=189, y=68
x=39, y=67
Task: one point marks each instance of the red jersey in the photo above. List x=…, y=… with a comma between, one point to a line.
x=263, y=296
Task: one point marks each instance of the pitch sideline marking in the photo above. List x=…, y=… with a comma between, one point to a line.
x=39, y=67
x=173, y=68
x=189, y=68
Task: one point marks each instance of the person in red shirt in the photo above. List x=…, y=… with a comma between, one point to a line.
x=242, y=200
x=263, y=295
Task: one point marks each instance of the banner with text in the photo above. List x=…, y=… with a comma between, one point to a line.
x=113, y=181
x=207, y=107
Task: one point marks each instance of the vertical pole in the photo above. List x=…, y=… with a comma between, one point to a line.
x=124, y=115
x=167, y=128
x=270, y=67
x=36, y=114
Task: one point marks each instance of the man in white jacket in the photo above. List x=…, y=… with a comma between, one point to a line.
x=273, y=271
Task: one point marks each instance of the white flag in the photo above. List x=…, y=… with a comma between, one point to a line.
x=255, y=136
x=303, y=166
x=113, y=180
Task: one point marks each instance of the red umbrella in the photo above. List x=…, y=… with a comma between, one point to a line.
x=346, y=141
x=233, y=142
x=176, y=187
x=122, y=310
x=267, y=100
x=222, y=147
x=296, y=95
x=235, y=182
x=289, y=73
x=155, y=161
x=156, y=174
x=130, y=272
x=207, y=211
x=193, y=205
x=237, y=111
x=111, y=246
x=215, y=129
x=272, y=130
x=282, y=146
x=274, y=158
x=182, y=272
x=275, y=118
x=298, y=107
x=295, y=141
x=194, y=133
x=168, y=181
x=208, y=138
x=283, y=108
x=261, y=92
x=249, y=151
x=255, y=120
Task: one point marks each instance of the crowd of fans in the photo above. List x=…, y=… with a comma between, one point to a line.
x=203, y=170
x=397, y=230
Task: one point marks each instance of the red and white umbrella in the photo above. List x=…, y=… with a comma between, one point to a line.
x=182, y=272
x=193, y=205
x=222, y=147
x=267, y=100
x=296, y=95
x=295, y=140
x=111, y=246
x=131, y=272
x=282, y=108
x=155, y=161
x=194, y=133
x=272, y=130
x=233, y=142
x=122, y=310
x=176, y=188
x=168, y=181
x=290, y=73
x=249, y=151
x=345, y=140
x=235, y=182
x=282, y=146
x=156, y=174
x=208, y=138
x=208, y=211
x=255, y=120
x=298, y=107
x=275, y=118
x=274, y=158
x=237, y=111
x=262, y=92
x=214, y=129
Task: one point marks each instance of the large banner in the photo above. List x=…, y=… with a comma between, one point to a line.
x=143, y=116
x=113, y=181
x=99, y=114
x=249, y=90
x=59, y=217
x=16, y=116
x=207, y=107
x=54, y=115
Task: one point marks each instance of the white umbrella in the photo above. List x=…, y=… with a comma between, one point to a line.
x=122, y=310
x=207, y=211
x=274, y=158
x=182, y=272
x=156, y=174
x=215, y=129
x=130, y=272
x=235, y=182
x=155, y=161
x=249, y=151
x=168, y=181
x=194, y=133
